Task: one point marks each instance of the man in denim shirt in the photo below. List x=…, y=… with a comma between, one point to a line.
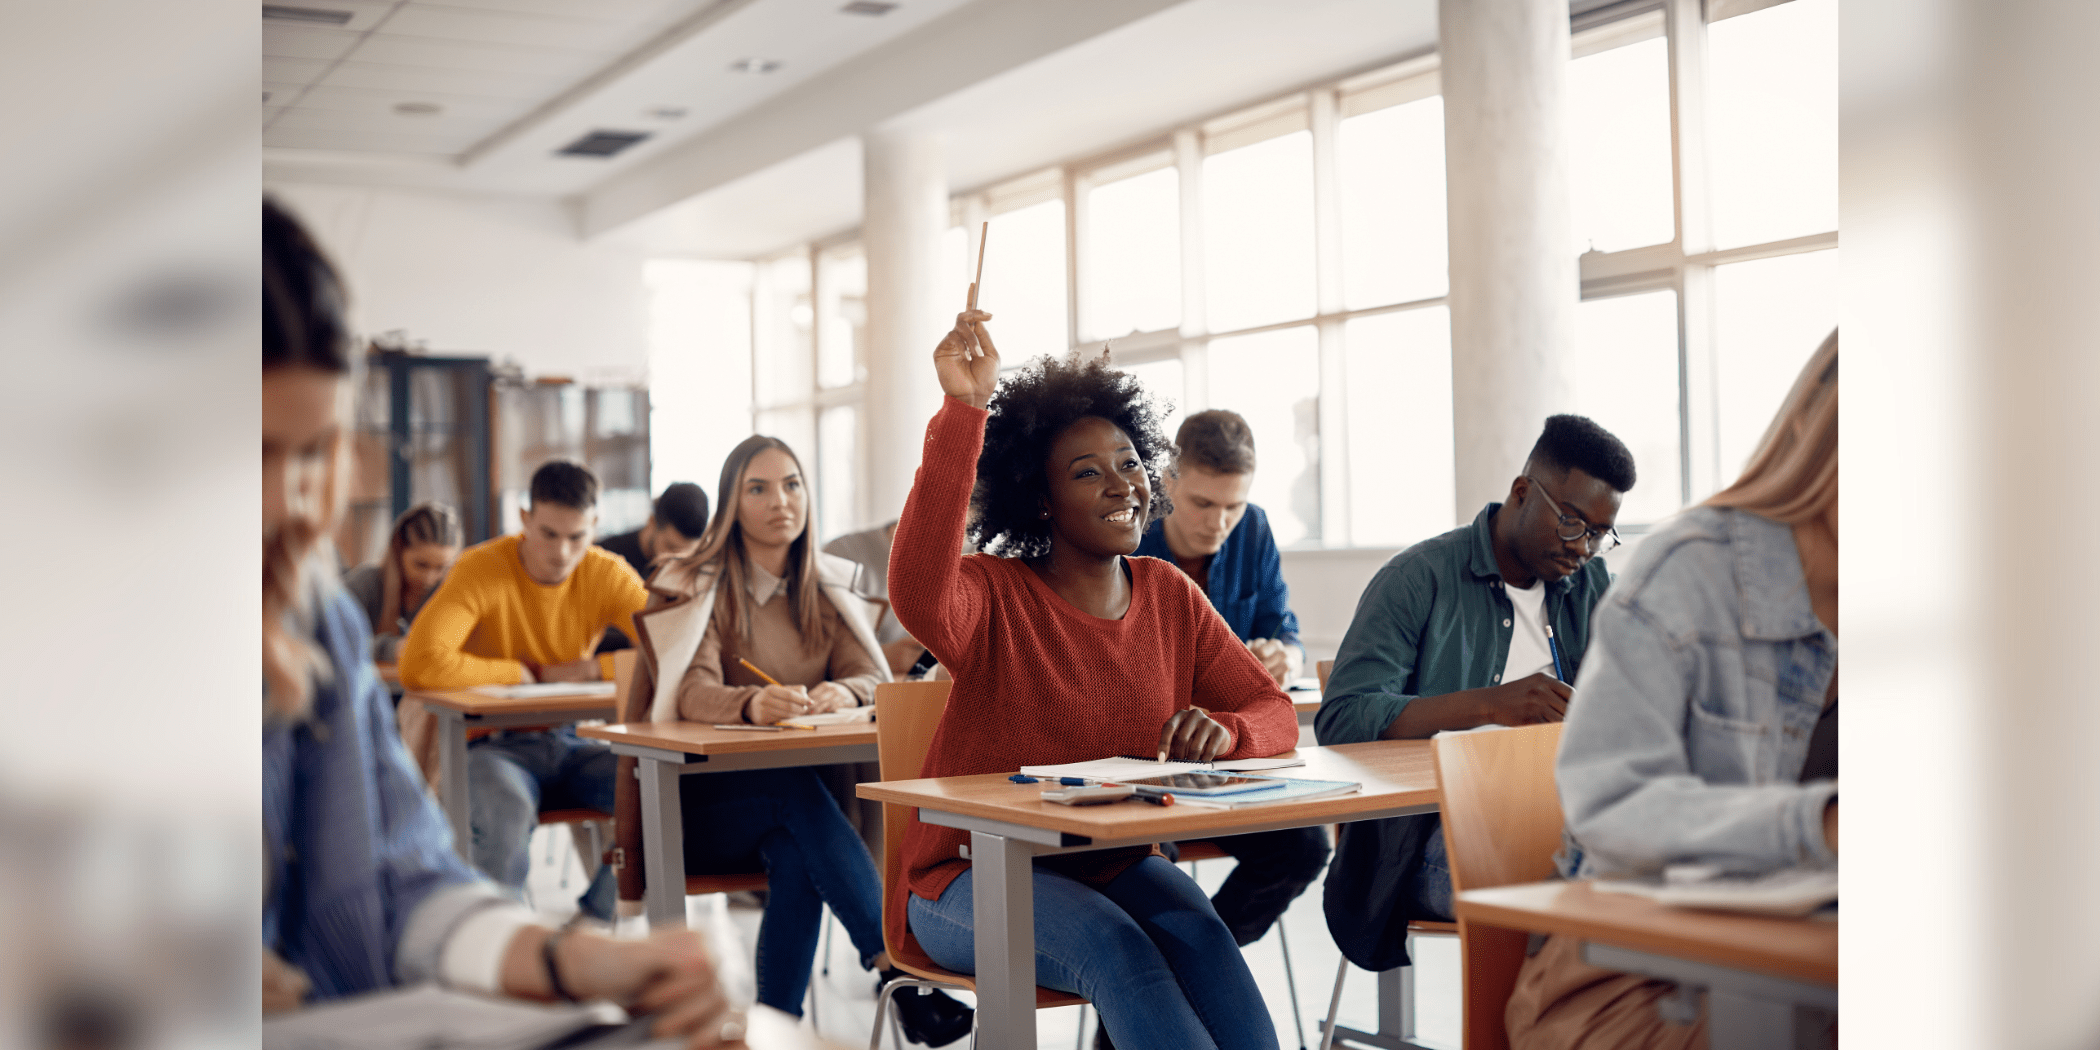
x=1484, y=624
x=1223, y=543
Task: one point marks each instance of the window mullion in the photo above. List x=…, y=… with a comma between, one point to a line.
x=1698, y=412
x=1188, y=161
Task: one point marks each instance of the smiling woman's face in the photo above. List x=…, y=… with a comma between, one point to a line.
x=772, y=503
x=1098, y=496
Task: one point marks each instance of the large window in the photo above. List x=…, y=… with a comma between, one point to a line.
x=1289, y=261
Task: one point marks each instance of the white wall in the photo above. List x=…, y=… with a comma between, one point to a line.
x=506, y=277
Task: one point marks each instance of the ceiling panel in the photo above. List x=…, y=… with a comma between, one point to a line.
x=337, y=139
x=500, y=27
x=417, y=51
x=354, y=100
x=610, y=10
x=292, y=70
x=283, y=41
x=523, y=87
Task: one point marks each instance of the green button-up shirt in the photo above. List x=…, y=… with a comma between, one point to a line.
x=1435, y=620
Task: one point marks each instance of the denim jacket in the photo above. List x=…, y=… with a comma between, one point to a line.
x=1689, y=725
x=364, y=886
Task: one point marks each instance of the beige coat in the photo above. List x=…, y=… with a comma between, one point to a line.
x=681, y=604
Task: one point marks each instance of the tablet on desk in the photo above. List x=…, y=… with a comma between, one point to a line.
x=1199, y=783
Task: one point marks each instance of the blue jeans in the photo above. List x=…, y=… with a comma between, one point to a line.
x=1147, y=949
x=1432, y=881
x=786, y=820
x=512, y=777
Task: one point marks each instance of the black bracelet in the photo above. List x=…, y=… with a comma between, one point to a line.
x=547, y=948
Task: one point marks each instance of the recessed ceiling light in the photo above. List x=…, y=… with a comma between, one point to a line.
x=602, y=143
x=314, y=16
x=871, y=8
x=667, y=112
x=754, y=65
x=418, y=109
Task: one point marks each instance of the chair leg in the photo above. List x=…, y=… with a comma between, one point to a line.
x=882, y=1005
x=1334, y=1006
x=1290, y=980
x=827, y=943
x=1079, y=1041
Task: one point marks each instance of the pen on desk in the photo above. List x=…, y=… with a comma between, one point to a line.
x=752, y=729
x=1553, y=647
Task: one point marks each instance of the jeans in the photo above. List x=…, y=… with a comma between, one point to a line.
x=1146, y=948
x=1274, y=868
x=1431, y=884
x=512, y=777
x=786, y=820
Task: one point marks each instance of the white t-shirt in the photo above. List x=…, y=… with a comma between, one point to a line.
x=1528, y=654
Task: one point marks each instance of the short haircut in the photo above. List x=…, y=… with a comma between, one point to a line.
x=1032, y=407
x=566, y=482
x=1215, y=440
x=683, y=506
x=1578, y=443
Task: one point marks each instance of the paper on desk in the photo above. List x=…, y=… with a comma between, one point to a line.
x=842, y=717
x=424, y=1016
x=1790, y=891
x=542, y=690
x=1136, y=768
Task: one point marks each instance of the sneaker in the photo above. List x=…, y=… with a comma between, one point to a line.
x=931, y=1019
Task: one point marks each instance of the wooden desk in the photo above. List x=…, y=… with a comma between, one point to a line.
x=668, y=750
x=1010, y=825
x=459, y=710
x=1755, y=969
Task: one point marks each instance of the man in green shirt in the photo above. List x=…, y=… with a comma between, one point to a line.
x=1485, y=624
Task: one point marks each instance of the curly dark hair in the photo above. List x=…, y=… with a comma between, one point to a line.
x=1032, y=407
x=1578, y=443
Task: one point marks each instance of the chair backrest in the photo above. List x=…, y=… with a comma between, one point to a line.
x=623, y=679
x=1502, y=824
x=906, y=714
x=1323, y=669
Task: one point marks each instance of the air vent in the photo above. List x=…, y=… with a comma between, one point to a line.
x=602, y=143
x=871, y=8
x=312, y=16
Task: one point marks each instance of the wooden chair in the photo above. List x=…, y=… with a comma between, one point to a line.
x=1405, y=1023
x=1502, y=824
x=906, y=714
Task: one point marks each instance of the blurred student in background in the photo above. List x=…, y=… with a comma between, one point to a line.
x=524, y=608
x=363, y=888
x=1704, y=729
x=673, y=530
x=1223, y=542
x=424, y=543
x=755, y=627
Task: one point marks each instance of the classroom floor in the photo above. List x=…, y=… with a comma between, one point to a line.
x=845, y=1007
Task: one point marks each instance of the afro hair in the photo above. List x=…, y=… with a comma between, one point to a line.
x=1032, y=407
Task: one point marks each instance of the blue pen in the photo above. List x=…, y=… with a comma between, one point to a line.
x=1554, y=648
x=1021, y=778
x=1072, y=781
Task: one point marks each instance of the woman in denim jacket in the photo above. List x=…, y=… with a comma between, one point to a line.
x=1703, y=728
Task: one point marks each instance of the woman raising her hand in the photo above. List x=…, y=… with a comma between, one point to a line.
x=1064, y=648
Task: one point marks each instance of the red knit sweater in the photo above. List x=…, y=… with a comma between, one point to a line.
x=1038, y=681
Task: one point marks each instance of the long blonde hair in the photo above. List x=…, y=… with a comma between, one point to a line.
x=427, y=522
x=303, y=327
x=1793, y=476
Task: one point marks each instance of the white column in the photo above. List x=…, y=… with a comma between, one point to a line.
x=1514, y=283
x=906, y=214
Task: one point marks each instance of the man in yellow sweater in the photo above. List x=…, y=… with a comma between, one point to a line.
x=529, y=608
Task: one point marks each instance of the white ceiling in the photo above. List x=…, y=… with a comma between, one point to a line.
x=762, y=162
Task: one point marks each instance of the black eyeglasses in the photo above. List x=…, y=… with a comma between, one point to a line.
x=1573, y=528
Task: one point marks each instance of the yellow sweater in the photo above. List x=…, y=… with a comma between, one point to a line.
x=489, y=618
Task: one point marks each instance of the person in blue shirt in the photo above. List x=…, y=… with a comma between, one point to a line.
x=363, y=888
x=1223, y=543
x=1485, y=624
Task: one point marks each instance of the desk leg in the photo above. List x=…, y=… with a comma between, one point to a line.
x=663, y=843
x=1739, y=1022
x=1004, y=915
x=452, y=778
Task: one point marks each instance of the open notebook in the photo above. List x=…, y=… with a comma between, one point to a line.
x=1790, y=891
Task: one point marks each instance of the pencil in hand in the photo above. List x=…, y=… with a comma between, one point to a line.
x=753, y=668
